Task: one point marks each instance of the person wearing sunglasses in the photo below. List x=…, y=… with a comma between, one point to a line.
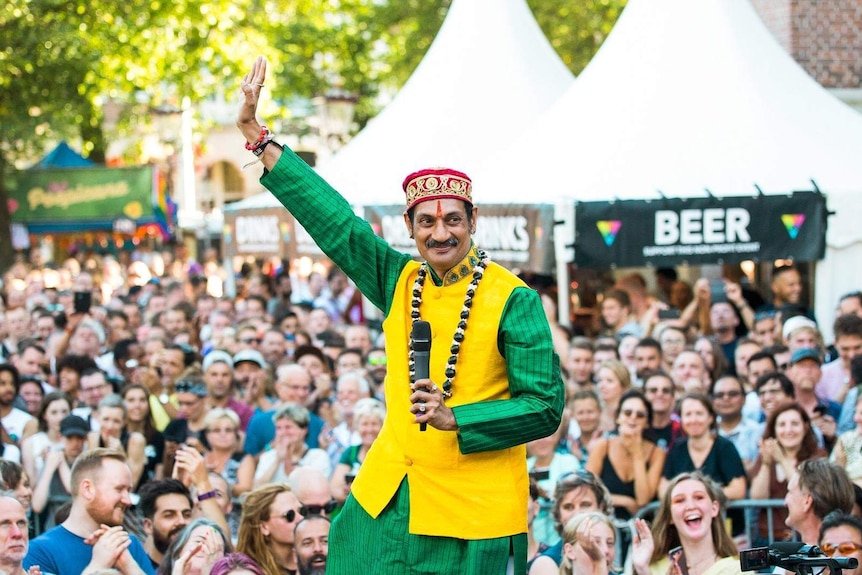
x=375, y=367
x=665, y=427
x=266, y=530
x=311, y=487
x=629, y=464
x=841, y=536
x=728, y=399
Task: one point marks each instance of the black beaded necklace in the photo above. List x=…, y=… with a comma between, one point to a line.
x=458, y=338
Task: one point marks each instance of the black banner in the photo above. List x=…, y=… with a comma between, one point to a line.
x=669, y=232
x=516, y=236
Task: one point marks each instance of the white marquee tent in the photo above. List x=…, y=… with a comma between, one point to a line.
x=686, y=95
x=488, y=74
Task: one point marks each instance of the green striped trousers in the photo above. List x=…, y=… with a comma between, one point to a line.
x=362, y=545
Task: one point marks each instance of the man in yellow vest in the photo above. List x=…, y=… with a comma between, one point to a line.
x=454, y=498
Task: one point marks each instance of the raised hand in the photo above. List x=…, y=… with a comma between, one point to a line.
x=251, y=87
x=181, y=565
x=642, y=547
x=585, y=540
x=733, y=291
x=189, y=466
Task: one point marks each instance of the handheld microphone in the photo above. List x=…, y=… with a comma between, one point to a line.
x=421, y=336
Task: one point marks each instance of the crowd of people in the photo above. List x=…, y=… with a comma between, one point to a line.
x=152, y=426
x=164, y=428
x=160, y=428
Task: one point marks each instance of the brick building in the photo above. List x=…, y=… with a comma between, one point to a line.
x=824, y=37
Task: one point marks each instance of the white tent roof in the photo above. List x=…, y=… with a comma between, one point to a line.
x=684, y=95
x=488, y=75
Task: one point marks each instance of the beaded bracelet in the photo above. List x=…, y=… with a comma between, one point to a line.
x=264, y=132
x=258, y=150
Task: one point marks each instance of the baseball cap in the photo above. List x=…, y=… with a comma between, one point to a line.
x=216, y=356
x=794, y=323
x=251, y=355
x=805, y=353
x=74, y=426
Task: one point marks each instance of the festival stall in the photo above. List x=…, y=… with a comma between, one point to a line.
x=107, y=208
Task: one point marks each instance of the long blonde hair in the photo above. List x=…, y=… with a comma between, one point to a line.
x=664, y=531
x=255, y=510
x=570, y=535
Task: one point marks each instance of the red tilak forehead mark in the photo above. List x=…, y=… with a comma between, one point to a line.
x=439, y=209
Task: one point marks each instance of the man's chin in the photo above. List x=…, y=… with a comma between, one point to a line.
x=117, y=518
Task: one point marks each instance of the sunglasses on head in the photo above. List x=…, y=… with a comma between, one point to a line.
x=307, y=510
x=845, y=548
x=579, y=476
x=762, y=315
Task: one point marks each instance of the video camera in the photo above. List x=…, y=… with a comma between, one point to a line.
x=793, y=556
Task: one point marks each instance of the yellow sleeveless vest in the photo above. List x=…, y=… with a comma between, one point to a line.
x=476, y=496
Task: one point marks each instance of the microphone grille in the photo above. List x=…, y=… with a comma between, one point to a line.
x=421, y=336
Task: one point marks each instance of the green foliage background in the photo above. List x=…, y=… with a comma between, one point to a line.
x=61, y=60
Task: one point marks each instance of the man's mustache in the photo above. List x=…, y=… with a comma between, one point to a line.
x=451, y=242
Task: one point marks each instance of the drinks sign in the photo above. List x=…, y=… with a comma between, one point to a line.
x=519, y=237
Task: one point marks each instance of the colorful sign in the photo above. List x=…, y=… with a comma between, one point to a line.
x=92, y=197
x=710, y=230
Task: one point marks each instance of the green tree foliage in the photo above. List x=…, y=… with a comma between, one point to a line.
x=575, y=28
x=63, y=59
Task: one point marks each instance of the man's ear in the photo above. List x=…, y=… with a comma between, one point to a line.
x=147, y=525
x=475, y=213
x=408, y=224
x=87, y=489
x=808, y=502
